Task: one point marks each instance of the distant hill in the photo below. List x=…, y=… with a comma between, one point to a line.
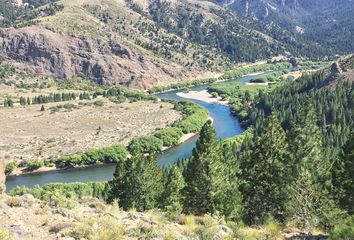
x=137, y=43
x=329, y=23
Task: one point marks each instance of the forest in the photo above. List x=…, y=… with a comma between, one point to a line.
x=294, y=165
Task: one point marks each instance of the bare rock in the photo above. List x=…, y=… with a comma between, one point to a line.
x=44, y=51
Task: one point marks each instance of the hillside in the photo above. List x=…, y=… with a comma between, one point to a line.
x=135, y=43
x=330, y=90
x=327, y=23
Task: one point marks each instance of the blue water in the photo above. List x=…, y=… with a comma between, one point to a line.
x=224, y=123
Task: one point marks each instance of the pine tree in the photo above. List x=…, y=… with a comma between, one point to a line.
x=198, y=192
x=309, y=201
x=343, y=177
x=265, y=173
x=137, y=183
x=28, y=101
x=227, y=196
x=174, y=184
x=42, y=108
x=211, y=178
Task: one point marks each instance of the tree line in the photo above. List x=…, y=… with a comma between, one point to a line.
x=284, y=175
x=193, y=118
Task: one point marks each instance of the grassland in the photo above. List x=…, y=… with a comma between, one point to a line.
x=76, y=126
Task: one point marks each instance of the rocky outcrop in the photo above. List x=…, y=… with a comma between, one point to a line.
x=44, y=51
x=2, y=172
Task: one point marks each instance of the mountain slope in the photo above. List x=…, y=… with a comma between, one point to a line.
x=136, y=43
x=328, y=23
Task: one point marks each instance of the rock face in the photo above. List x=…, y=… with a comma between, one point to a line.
x=47, y=52
x=2, y=172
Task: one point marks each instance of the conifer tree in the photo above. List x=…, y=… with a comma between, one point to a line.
x=265, y=173
x=343, y=177
x=309, y=201
x=174, y=184
x=198, y=193
x=227, y=196
x=137, y=183
x=210, y=176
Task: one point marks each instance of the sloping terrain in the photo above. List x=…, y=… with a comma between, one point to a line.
x=325, y=22
x=135, y=43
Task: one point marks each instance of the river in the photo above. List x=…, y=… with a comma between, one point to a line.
x=224, y=123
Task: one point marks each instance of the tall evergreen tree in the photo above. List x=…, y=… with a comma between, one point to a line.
x=172, y=194
x=343, y=177
x=210, y=176
x=265, y=173
x=198, y=193
x=137, y=183
x=309, y=200
x=227, y=196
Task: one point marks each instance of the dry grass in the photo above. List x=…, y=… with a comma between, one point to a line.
x=29, y=134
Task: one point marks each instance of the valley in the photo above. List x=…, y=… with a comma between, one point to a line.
x=191, y=119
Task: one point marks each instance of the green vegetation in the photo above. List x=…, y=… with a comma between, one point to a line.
x=170, y=136
x=65, y=190
x=24, y=15
x=146, y=144
x=111, y=154
x=239, y=72
x=184, y=84
x=235, y=89
x=137, y=182
x=344, y=230
x=193, y=117
x=10, y=167
x=34, y=165
x=210, y=177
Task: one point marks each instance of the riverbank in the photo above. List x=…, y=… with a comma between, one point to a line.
x=203, y=95
x=45, y=169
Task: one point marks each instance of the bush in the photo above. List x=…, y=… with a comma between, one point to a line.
x=193, y=116
x=67, y=190
x=146, y=144
x=169, y=136
x=344, y=230
x=69, y=161
x=34, y=164
x=13, y=201
x=111, y=154
x=10, y=167
x=101, y=228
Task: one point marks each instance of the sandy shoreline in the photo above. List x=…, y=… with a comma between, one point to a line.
x=203, y=95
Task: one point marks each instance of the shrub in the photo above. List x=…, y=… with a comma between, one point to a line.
x=344, y=230
x=69, y=161
x=146, y=144
x=111, y=154
x=101, y=228
x=99, y=103
x=68, y=190
x=14, y=201
x=34, y=164
x=193, y=116
x=169, y=136
x=10, y=167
